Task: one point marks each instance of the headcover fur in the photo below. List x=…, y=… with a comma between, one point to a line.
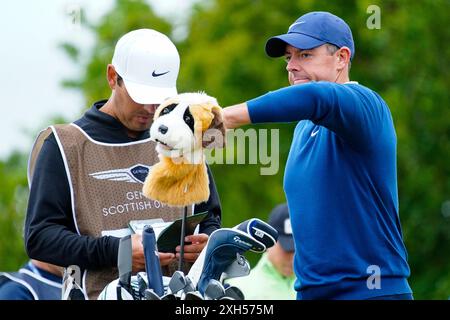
x=182, y=127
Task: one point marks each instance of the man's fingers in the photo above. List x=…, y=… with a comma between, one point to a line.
x=189, y=257
x=191, y=248
x=165, y=258
x=138, y=265
x=166, y=255
x=197, y=238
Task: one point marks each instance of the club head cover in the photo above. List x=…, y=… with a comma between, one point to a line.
x=221, y=250
x=260, y=231
x=152, y=264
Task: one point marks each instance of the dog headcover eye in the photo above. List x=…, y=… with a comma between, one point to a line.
x=189, y=119
x=168, y=109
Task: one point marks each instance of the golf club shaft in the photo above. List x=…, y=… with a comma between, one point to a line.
x=183, y=232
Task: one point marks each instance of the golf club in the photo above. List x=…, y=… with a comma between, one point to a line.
x=214, y=290
x=152, y=265
x=219, y=253
x=189, y=285
x=183, y=233
x=177, y=282
x=234, y=293
x=169, y=296
x=260, y=231
x=239, y=268
x=142, y=283
x=124, y=264
x=193, y=295
x=149, y=294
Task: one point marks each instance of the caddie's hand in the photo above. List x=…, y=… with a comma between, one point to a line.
x=192, y=250
x=165, y=258
x=138, y=258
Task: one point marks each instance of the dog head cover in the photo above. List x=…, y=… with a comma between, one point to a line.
x=182, y=127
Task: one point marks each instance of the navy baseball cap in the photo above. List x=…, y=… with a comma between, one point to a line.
x=279, y=219
x=312, y=30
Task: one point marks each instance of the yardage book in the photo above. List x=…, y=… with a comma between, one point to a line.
x=168, y=233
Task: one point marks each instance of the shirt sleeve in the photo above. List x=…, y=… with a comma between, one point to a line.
x=350, y=110
x=50, y=233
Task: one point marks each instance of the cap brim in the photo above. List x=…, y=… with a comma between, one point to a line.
x=147, y=94
x=286, y=242
x=276, y=46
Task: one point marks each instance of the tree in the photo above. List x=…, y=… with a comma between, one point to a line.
x=13, y=195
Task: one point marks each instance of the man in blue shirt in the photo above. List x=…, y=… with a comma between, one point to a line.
x=341, y=176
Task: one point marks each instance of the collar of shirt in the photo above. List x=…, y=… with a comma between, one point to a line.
x=43, y=273
x=267, y=267
x=103, y=127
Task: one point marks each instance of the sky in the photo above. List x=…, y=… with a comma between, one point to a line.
x=33, y=66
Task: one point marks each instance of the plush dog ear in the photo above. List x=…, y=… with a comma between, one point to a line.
x=215, y=135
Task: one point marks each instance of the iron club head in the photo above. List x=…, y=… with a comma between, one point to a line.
x=214, y=290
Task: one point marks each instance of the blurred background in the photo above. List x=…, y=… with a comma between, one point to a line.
x=54, y=57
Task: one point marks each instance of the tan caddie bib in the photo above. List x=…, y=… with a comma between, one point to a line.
x=105, y=187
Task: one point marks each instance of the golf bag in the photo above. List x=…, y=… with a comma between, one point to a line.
x=222, y=255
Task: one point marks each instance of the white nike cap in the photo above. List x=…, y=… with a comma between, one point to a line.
x=148, y=62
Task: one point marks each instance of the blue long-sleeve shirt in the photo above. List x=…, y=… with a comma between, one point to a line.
x=341, y=186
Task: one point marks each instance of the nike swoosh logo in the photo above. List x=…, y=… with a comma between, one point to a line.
x=314, y=133
x=154, y=74
x=295, y=24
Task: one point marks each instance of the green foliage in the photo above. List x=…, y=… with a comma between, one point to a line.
x=71, y=51
x=13, y=205
x=13, y=195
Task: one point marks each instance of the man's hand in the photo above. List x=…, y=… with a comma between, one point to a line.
x=166, y=258
x=192, y=251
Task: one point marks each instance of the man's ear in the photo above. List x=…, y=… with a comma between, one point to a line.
x=215, y=135
x=343, y=56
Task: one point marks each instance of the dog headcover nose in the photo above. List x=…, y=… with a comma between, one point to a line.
x=163, y=129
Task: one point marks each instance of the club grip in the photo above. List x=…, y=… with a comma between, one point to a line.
x=152, y=265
